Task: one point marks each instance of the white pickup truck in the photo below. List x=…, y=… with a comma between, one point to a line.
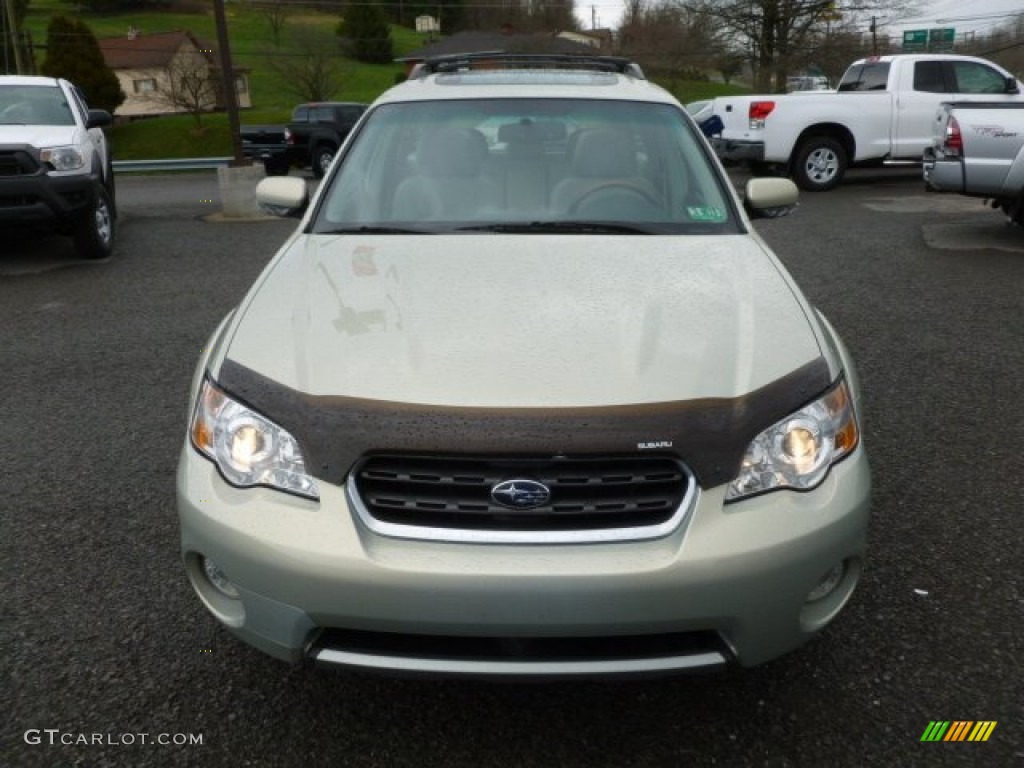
x=978, y=151
x=883, y=110
x=56, y=173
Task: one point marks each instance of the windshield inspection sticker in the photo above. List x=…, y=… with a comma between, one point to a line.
x=705, y=213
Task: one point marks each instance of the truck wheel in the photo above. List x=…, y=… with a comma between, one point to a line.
x=1013, y=208
x=94, y=232
x=322, y=158
x=819, y=164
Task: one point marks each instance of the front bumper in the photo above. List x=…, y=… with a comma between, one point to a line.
x=729, y=584
x=738, y=150
x=40, y=199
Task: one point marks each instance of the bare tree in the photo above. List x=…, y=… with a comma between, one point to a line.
x=777, y=33
x=1004, y=44
x=313, y=73
x=190, y=84
x=669, y=39
x=276, y=13
x=833, y=49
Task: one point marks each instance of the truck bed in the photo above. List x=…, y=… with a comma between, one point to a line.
x=978, y=151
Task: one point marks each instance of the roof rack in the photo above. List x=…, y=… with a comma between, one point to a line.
x=501, y=60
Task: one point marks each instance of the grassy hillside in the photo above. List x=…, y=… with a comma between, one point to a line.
x=252, y=46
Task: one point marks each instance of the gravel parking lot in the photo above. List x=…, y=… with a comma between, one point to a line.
x=110, y=660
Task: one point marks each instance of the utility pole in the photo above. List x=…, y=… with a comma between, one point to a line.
x=3, y=37
x=227, y=79
x=874, y=37
x=12, y=27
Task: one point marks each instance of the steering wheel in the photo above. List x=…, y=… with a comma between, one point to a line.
x=634, y=190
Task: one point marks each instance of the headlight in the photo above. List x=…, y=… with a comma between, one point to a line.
x=248, y=449
x=798, y=451
x=62, y=158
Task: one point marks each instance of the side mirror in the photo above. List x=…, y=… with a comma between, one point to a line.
x=770, y=198
x=284, y=196
x=98, y=118
x=1012, y=86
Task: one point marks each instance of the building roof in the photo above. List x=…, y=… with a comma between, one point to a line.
x=148, y=51
x=473, y=41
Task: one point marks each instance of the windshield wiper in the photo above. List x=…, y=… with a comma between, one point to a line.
x=574, y=227
x=373, y=231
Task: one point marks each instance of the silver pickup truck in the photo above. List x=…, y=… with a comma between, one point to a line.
x=978, y=150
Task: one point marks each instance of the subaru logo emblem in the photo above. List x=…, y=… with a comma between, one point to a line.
x=521, y=494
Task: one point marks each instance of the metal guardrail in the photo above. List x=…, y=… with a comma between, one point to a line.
x=176, y=164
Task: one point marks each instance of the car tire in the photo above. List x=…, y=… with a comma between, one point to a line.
x=322, y=157
x=820, y=164
x=94, y=232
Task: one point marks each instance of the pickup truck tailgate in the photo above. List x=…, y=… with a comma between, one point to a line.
x=735, y=114
x=977, y=149
x=263, y=134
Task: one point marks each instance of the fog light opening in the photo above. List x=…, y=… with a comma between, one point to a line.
x=827, y=584
x=218, y=580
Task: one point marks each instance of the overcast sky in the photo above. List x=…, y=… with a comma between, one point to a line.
x=962, y=15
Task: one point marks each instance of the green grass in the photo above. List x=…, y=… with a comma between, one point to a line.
x=693, y=90
x=252, y=46
x=170, y=137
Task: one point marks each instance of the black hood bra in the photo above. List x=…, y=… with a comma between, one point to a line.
x=709, y=435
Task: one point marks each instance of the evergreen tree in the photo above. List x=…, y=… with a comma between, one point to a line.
x=365, y=33
x=73, y=53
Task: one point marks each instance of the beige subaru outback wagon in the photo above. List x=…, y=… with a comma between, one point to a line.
x=524, y=395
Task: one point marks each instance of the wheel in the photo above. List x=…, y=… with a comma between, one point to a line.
x=613, y=197
x=820, y=164
x=322, y=158
x=94, y=232
x=1013, y=208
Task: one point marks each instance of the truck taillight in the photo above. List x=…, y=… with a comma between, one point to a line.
x=758, y=111
x=954, y=144
x=288, y=138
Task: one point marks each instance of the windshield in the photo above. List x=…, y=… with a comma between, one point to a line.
x=527, y=165
x=34, y=105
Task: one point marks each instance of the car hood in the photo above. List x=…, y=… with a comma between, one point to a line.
x=514, y=321
x=38, y=135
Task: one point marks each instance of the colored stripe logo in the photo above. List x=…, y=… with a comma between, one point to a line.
x=958, y=730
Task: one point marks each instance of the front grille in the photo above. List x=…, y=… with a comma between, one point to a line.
x=17, y=163
x=586, y=494
x=75, y=197
x=18, y=201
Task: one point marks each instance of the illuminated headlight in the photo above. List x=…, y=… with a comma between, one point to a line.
x=62, y=158
x=798, y=451
x=248, y=449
